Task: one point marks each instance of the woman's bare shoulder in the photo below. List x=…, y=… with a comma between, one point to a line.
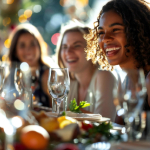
x=104, y=74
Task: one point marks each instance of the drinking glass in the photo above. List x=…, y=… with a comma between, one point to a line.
x=15, y=99
x=58, y=85
x=129, y=96
x=22, y=83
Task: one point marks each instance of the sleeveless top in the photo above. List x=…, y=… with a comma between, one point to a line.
x=101, y=102
x=38, y=92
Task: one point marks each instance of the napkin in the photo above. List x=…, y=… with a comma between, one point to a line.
x=81, y=116
x=84, y=116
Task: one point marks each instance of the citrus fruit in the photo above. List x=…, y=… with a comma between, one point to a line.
x=62, y=118
x=34, y=137
x=49, y=124
x=64, y=121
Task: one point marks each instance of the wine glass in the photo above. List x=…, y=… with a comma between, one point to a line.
x=22, y=82
x=15, y=106
x=58, y=85
x=129, y=96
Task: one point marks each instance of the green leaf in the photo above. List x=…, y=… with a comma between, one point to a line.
x=73, y=105
x=63, y=113
x=74, y=108
x=83, y=104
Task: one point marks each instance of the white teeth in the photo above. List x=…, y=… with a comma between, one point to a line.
x=112, y=49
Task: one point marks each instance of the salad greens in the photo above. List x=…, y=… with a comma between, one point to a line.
x=75, y=108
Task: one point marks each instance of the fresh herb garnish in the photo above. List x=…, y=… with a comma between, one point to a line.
x=99, y=132
x=75, y=108
x=63, y=113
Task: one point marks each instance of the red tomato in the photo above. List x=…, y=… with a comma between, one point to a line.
x=86, y=125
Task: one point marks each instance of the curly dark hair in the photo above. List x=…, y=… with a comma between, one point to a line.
x=136, y=19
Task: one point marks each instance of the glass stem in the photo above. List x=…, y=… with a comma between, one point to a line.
x=58, y=105
x=129, y=131
x=54, y=105
x=65, y=103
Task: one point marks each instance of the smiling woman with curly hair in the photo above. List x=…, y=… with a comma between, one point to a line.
x=121, y=36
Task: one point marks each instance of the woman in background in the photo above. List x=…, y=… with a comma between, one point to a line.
x=27, y=45
x=87, y=82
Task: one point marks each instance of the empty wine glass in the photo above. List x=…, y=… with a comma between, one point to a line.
x=58, y=85
x=129, y=96
x=15, y=106
x=22, y=83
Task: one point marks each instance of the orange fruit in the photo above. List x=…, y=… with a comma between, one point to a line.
x=34, y=137
x=49, y=124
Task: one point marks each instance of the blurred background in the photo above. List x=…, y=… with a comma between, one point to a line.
x=46, y=15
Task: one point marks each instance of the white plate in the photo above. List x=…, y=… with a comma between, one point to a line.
x=99, y=146
x=140, y=145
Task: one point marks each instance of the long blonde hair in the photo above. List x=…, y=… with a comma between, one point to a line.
x=69, y=27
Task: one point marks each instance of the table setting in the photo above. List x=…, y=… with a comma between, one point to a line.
x=29, y=126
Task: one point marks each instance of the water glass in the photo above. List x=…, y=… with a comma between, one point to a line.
x=129, y=96
x=15, y=98
x=59, y=86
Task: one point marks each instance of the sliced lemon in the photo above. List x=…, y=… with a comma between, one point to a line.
x=64, y=123
x=62, y=118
